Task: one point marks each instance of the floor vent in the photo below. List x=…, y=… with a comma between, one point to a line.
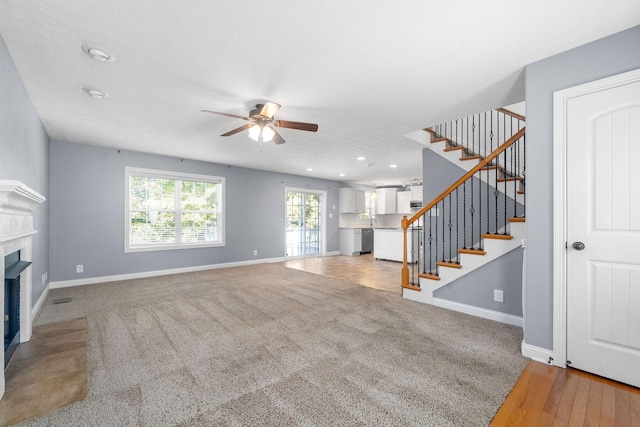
x=62, y=300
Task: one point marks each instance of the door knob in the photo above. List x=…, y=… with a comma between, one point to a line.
x=578, y=246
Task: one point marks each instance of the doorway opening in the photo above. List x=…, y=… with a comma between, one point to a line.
x=305, y=220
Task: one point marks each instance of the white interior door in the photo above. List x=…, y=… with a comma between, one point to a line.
x=603, y=213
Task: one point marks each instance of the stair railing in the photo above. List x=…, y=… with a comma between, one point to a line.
x=463, y=214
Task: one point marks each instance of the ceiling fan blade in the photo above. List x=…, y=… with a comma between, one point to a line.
x=269, y=109
x=226, y=114
x=311, y=127
x=277, y=138
x=236, y=130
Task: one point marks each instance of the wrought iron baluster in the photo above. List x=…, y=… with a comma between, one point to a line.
x=443, y=227
x=430, y=242
x=450, y=225
x=457, y=223
x=505, y=192
x=464, y=215
x=496, y=176
x=472, y=211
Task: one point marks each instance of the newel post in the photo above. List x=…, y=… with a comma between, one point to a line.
x=405, y=268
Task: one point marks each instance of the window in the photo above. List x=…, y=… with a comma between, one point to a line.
x=172, y=210
x=367, y=205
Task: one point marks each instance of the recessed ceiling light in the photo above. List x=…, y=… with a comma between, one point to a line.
x=341, y=174
x=94, y=93
x=98, y=53
x=393, y=166
x=309, y=169
x=361, y=158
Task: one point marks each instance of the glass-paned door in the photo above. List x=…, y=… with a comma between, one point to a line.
x=304, y=223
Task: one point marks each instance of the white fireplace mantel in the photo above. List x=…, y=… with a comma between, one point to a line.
x=17, y=203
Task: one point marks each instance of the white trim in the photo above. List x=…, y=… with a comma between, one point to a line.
x=560, y=101
x=323, y=206
x=509, y=319
x=538, y=354
x=38, y=305
x=144, y=274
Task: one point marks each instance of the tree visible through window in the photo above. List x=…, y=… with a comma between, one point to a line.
x=167, y=210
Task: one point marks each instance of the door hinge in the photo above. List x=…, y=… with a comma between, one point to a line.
x=566, y=245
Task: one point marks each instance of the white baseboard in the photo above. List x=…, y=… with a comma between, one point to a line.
x=480, y=312
x=538, y=354
x=334, y=253
x=144, y=274
x=36, y=308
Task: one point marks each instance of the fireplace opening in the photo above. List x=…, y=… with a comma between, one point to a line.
x=13, y=267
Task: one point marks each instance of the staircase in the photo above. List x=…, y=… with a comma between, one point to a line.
x=481, y=216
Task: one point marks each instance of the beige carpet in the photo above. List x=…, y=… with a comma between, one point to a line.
x=268, y=345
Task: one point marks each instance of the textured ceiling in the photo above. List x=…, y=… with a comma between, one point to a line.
x=367, y=72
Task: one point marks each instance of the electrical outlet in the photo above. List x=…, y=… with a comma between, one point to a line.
x=255, y=252
x=79, y=268
x=497, y=295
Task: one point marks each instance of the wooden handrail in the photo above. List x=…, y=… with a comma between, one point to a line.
x=406, y=222
x=511, y=113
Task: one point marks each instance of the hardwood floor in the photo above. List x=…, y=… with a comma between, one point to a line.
x=551, y=396
x=363, y=270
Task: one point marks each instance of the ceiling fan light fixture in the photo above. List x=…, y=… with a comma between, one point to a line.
x=267, y=134
x=254, y=133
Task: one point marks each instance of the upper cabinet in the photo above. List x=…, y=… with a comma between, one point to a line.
x=385, y=201
x=416, y=192
x=404, y=199
x=351, y=200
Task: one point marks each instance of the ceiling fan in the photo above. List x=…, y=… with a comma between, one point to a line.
x=262, y=122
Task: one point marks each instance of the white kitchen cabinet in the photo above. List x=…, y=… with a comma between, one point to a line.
x=350, y=241
x=351, y=200
x=416, y=192
x=404, y=199
x=385, y=201
x=388, y=244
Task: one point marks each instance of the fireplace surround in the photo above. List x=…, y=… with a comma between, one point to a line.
x=17, y=203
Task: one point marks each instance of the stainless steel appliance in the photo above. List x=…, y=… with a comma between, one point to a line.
x=367, y=240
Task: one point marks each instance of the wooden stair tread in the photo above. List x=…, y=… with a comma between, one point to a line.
x=429, y=276
x=510, y=179
x=412, y=287
x=439, y=140
x=449, y=264
x=498, y=236
x=492, y=167
x=517, y=219
x=431, y=131
x=477, y=156
x=453, y=148
x=472, y=251
x=520, y=191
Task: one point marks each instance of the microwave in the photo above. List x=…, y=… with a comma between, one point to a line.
x=415, y=205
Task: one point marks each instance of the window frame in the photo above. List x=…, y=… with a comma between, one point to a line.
x=177, y=176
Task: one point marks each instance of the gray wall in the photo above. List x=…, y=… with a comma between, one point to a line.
x=24, y=156
x=477, y=288
x=605, y=57
x=87, y=213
